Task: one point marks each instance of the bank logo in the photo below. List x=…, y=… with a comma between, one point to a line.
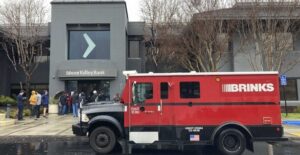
x=248, y=87
x=91, y=45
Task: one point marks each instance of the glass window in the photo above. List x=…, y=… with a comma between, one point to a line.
x=290, y=90
x=189, y=89
x=164, y=90
x=89, y=44
x=142, y=92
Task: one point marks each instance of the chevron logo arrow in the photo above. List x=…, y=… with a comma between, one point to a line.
x=91, y=45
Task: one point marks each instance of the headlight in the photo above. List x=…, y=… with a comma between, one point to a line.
x=84, y=118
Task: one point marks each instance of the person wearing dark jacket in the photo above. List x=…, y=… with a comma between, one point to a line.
x=63, y=102
x=45, y=103
x=20, y=105
x=75, y=102
x=94, y=97
x=82, y=98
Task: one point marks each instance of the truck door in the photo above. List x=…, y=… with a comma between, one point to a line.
x=144, y=113
x=167, y=130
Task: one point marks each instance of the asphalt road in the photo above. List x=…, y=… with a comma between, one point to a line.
x=62, y=146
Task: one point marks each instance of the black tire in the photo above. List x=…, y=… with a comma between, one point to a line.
x=103, y=140
x=231, y=142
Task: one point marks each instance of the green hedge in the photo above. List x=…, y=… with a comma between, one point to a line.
x=4, y=100
x=54, y=100
x=14, y=112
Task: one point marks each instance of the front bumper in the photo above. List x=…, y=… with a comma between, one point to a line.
x=79, y=130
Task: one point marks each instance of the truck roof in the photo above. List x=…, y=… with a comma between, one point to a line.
x=134, y=73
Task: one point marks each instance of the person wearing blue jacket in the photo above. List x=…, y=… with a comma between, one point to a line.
x=20, y=105
x=45, y=103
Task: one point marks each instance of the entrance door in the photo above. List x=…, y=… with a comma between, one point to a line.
x=88, y=86
x=144, y=113
x=101, y=86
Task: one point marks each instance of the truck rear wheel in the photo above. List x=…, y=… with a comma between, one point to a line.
x=231, y=142
x=103, y=140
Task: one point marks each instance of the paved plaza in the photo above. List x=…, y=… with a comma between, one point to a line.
x=54, y=125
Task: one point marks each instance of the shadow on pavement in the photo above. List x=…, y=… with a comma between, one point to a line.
x=82, y=148
x=62, y=147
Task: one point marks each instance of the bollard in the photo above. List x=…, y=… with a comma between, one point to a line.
x=7, y=111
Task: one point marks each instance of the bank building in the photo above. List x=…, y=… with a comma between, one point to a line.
x=92, y=42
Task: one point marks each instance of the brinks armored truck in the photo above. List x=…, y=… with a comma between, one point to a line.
x=229, y=110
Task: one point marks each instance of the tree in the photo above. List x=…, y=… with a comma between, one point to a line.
x=161, y=19
x=205, y=37
x=22, y=25
x=270, y=25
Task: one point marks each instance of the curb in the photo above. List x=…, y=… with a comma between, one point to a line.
x=41, y=138
x=294, y=138
x=291, y=122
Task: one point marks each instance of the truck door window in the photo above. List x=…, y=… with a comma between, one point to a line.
x=142, y=92
x=164, y=90
x=189, y=89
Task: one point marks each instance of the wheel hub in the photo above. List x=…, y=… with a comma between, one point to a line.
x=231, y=143
x=102, y=140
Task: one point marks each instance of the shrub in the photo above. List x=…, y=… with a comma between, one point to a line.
x=27, y=112
x=53, y=100
x=2, y=111
x=13, y=113
x=4, y=100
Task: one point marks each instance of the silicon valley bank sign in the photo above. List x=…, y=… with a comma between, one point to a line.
x=86, y=73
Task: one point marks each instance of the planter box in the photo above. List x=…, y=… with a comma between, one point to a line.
x=53, y=109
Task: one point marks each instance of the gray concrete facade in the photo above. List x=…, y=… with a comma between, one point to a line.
x=5, y=70
x=112, y=13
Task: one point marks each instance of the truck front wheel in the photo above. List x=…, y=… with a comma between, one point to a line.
x=103, y=140
x=231, y=142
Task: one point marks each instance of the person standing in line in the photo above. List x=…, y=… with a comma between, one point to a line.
x=63, y=101
x=75, y=102
x=82, y=101
x=45, y=103
x=69, y=103
x=20, y=105
x=82, y=98
x=38, y=104
x=94, y=97
x=101, y=96
x=117, y=98
x=32, y=102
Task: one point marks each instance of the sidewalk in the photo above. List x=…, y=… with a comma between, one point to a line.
x=291, y=128
x=52, y=126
